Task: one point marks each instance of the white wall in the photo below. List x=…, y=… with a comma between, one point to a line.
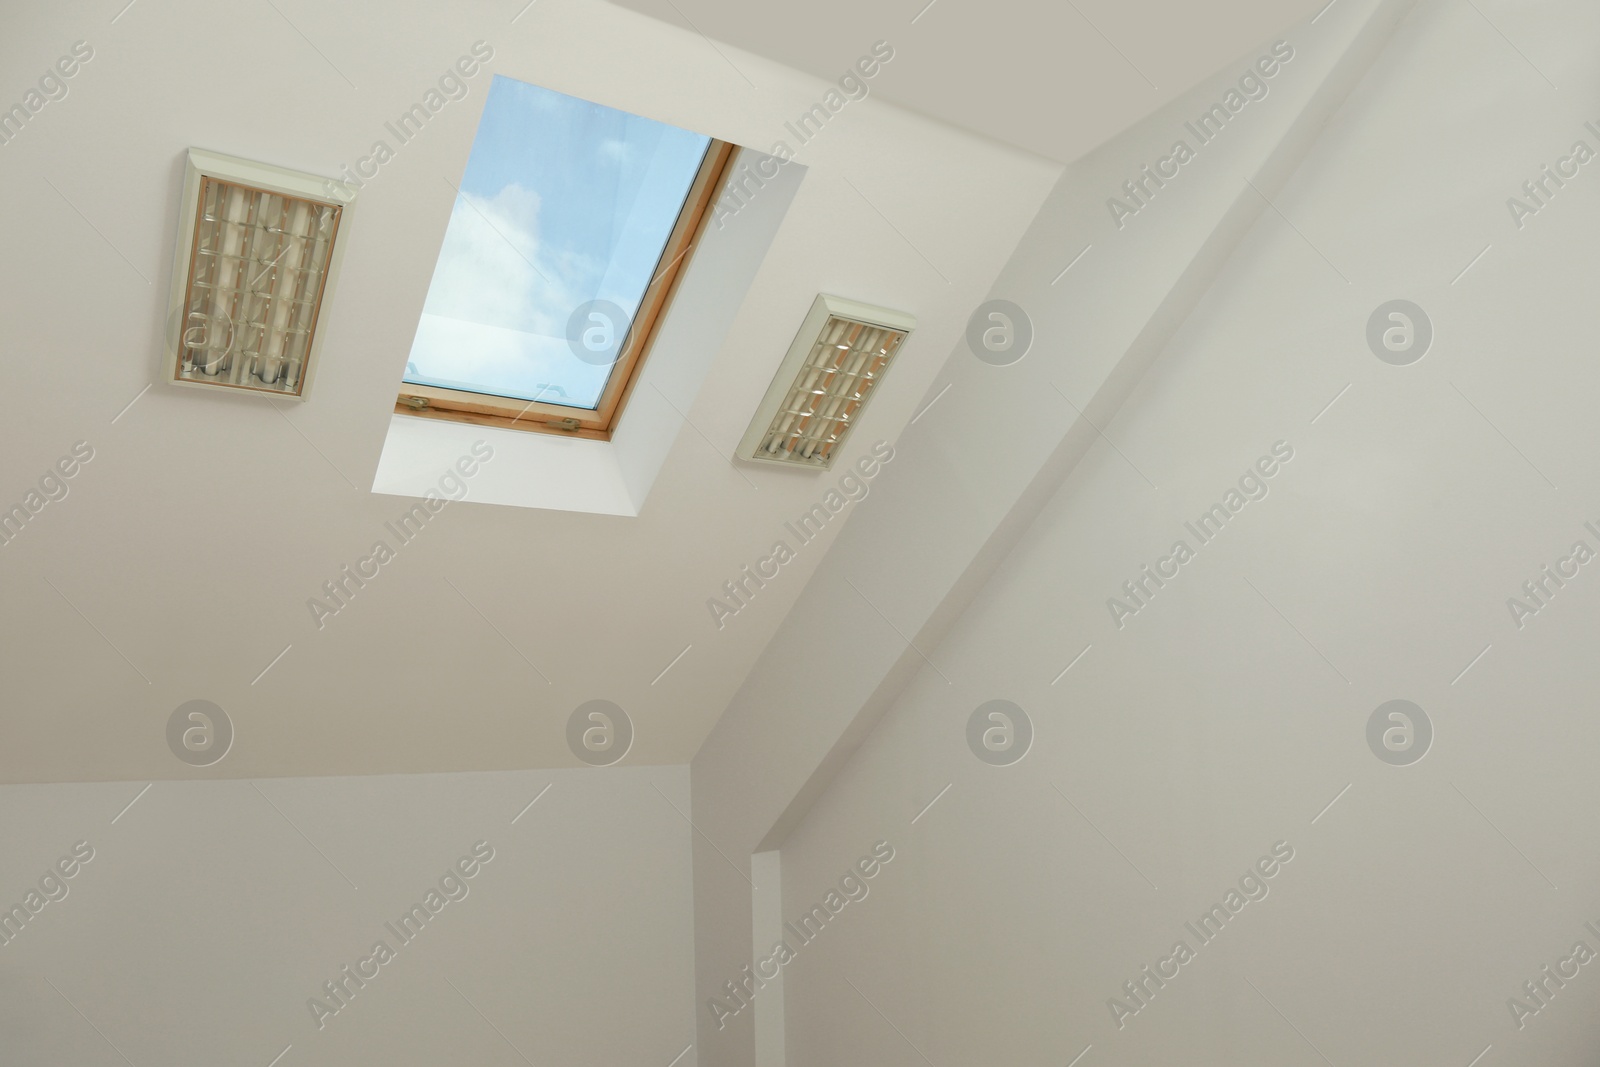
x=986, y=457
x=212, y=911
x=1227, y=715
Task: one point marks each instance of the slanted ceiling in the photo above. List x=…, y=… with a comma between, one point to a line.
x=1053, y=78
x=180, y=563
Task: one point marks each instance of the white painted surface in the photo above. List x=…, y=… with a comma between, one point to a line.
x=1056, y=79
x=213, y=911
x=970, y=473
x=528, y=470
x=205, y=524
x=1224, y=718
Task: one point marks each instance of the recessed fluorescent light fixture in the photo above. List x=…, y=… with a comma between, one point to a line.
x=258, y=248
x=838, y=358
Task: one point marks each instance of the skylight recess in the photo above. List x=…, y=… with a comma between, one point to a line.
x=571, y=224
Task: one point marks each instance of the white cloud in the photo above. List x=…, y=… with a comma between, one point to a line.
x=494, y=271
x=492, y=268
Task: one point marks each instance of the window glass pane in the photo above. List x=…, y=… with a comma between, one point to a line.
x=563, y=202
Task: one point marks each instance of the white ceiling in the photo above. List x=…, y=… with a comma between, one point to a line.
x=183, y=558
x=1054, y=78
x=180, y=565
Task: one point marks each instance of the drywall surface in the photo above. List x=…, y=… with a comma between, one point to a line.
x=1222, y=845
x=210, y=916
x=1103, y=293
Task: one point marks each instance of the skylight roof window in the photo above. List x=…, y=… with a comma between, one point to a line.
x=571, y=226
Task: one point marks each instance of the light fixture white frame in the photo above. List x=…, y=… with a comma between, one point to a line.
x=202, y=164
x=825, y=307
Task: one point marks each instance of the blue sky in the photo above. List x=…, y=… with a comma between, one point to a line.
x=563, y=201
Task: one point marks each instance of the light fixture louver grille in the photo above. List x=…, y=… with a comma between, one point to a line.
x=256, y=262
x=837, y=360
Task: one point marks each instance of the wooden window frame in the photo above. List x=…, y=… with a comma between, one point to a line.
x=482, y=409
